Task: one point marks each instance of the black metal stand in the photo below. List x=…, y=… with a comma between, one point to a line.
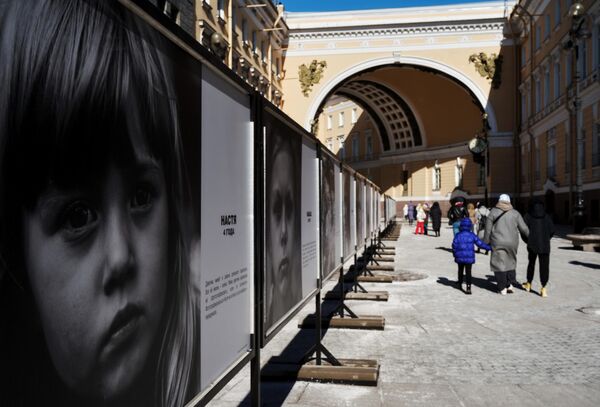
x=318, y=349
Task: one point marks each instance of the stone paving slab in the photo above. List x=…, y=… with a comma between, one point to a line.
x=441, y=347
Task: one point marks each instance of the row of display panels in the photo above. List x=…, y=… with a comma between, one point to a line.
x=131, y=228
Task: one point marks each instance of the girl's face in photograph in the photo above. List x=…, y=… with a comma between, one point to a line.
x=282, y=226
x=97, y=259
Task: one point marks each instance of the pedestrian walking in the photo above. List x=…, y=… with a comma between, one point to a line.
x=420, y=220
x=435, y=213
x=481, y=214
x=502, y=229
x=464, y=251
x=541, y=230
x=411, y=213
x=426, y=220
x=471, y=212
x=456, y=213
x=405, y=211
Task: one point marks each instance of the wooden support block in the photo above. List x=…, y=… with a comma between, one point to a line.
x=351, y=295
x=353, y=371
x=375, y=322
x=380, y=267
x=375, y=279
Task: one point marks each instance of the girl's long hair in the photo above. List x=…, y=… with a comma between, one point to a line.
x=84, y=82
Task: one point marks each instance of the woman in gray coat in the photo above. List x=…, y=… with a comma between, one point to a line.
x=502, y=229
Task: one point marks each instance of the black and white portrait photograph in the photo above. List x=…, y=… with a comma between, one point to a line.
x=360, y=186
x=283, y=282
x=95, y=301
x=347, y=216
x=328, y=213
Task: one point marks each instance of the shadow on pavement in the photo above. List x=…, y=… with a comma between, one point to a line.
x=444, y=249
x=486, y=283
x=585, y=264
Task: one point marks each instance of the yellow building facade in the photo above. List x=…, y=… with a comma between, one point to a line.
x=547, y=66
x=399, y=93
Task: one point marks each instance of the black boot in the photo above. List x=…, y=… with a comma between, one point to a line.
x=468, y=292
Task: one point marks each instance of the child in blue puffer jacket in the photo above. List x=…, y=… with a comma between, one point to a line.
x=464, y=251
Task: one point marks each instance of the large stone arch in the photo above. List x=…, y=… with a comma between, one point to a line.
x=455, y=74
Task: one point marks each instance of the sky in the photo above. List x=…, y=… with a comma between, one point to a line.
x=339, y=5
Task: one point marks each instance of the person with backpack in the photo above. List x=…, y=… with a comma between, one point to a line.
x=464, y=252
x=541, y=230
x=502, y=229
x=456, y=213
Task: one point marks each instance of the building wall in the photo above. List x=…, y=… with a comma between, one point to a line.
x=546, y=113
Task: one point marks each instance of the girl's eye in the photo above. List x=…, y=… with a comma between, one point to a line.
x=78, y=217
x=142, y=199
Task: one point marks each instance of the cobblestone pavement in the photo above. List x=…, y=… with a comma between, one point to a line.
x=441, y=347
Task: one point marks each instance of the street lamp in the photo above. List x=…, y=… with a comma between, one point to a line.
x=577, y=33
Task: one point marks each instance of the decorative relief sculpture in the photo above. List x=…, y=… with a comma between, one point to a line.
x=489, y=67
x=310, y=75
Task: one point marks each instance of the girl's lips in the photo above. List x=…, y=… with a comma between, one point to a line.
x=123, y=328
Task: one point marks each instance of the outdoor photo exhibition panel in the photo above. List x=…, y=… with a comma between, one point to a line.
x=330, y=214
x=291, y=221
x=164, y=306
x=369, y=207
x=349, y=220
x=226, y=265
x=360, y=211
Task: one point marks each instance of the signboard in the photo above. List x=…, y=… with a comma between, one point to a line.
x=226, y=264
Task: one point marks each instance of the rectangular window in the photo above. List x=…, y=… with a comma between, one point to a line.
x=254, y=42
x=221, y=10
x=557, y=14
x=523, y=107
x=436, y=177
x=596, y=40
x=546, y=87
x=524, y=163
x=329, y=121
x=330, y=144
x=596, y=145
x=538, y=36
x=481, y=176
x=567, y=152
x=583, y=54
x=341, y=119
x=170, y=10
x=538, y=162
x=556, y=79
x=263, y=51
x=551, y=158
x=341, y=151
x=355, y=146
x=369, y=143
x=244, y=30
x=523, y=55
x=458, y=174
x=354, y=118
x=569, y=68
x=538, y=95
x=547, y=26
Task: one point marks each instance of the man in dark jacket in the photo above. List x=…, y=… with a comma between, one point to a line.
x=464, y=251
x=541, y=230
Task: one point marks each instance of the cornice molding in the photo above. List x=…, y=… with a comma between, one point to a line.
x=494, y=26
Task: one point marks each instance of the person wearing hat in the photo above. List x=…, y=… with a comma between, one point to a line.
x=456, y=213
x=502, y=229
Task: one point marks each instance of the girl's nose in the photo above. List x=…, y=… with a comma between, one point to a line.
x=119, y=260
